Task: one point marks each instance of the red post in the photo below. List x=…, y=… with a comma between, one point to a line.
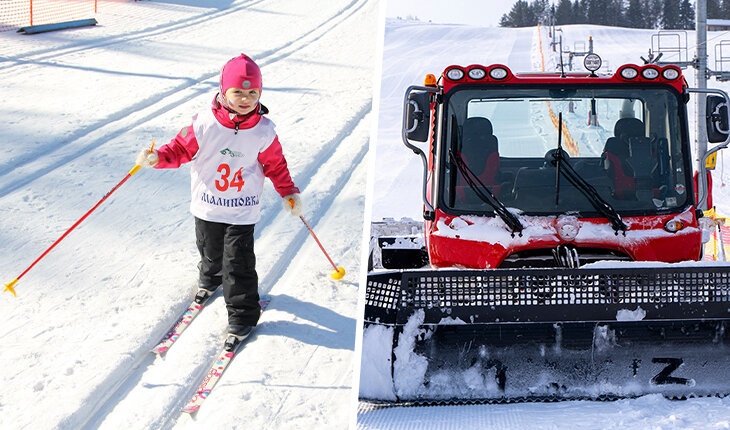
x=31, y=12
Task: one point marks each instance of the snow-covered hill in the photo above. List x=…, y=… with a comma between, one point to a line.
x=413, y=49
x=77, y=106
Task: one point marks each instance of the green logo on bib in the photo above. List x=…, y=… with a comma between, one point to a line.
x=231, y=153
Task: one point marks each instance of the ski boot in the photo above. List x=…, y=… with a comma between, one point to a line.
x=205, y=290
x=236, y=335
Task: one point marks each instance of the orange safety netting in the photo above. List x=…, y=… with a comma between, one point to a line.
x=719, y=243
x=570, y=146
x=15, y=14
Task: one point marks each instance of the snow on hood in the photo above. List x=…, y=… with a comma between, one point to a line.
x=493, y=230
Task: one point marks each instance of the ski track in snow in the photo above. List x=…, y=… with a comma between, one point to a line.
x=51, y=56
x=32, y=165
x=312, y=316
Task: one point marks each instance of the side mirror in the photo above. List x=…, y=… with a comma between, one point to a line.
x=718, y=124
x=418, y=113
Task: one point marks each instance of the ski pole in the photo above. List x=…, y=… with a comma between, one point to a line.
x=339, y=271
x=11, y=286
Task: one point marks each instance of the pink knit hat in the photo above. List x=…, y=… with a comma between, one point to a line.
x=240, y=72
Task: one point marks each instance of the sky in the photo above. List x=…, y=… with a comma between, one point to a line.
x=486, y=13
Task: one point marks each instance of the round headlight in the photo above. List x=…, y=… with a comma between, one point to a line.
x=498, y=73
x=650, y=73
x=629, y=73
x=454, y=74
x=673, y=226
x=670, y=74
x=592, y=62
x=477, y=73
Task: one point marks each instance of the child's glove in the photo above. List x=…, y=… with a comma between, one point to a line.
x=293, y=204
x=147, y=158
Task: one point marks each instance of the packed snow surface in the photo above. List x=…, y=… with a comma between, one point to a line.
x=77, y=107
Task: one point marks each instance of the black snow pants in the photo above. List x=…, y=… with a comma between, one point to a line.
x=227, y=257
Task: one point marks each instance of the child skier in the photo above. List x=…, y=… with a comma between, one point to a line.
x=232, y=147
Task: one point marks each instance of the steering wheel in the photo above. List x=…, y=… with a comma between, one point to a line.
x=550, y=156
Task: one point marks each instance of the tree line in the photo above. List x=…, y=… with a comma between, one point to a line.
x=666, y=14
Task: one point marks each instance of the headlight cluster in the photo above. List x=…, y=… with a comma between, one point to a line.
x=649, y=72
x=476, y=73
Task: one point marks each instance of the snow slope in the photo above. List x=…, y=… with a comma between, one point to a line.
x=77, y=106
x=413, y=49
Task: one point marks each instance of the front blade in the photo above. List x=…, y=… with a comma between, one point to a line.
x=516, y=362
x=547, y=334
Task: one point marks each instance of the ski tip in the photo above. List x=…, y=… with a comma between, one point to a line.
x=191, y=409
x=160, y=350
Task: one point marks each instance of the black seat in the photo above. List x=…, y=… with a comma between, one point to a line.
x=629, y=159
x=480, y=149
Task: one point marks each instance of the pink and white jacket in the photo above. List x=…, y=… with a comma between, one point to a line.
x=230, y=155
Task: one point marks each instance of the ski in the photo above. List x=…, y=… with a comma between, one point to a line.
x=201, y=298
x=216, y=370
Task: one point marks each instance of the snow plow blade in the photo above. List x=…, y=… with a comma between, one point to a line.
x=506, y=335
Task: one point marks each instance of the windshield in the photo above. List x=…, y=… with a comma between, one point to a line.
x=625, y=142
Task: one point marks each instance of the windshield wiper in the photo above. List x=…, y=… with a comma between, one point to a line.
x=566, y=169
x=485, y=194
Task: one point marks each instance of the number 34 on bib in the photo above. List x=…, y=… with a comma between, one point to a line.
x=222, y=184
